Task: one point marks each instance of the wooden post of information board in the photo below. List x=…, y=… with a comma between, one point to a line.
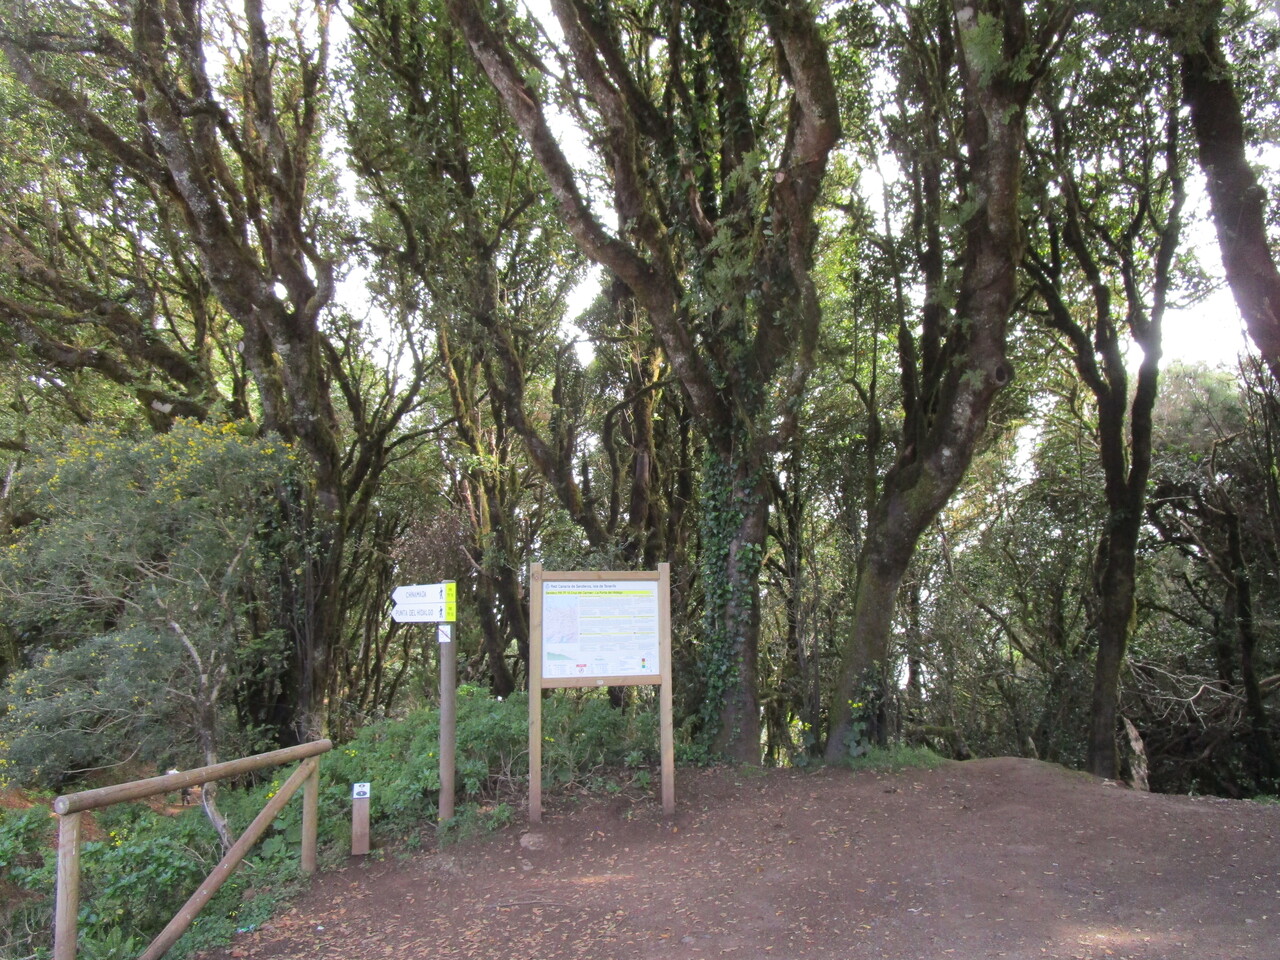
x=535, y=693
x=666, y=732
x=598, y=629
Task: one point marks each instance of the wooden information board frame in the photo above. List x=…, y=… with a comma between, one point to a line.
x=598, y=582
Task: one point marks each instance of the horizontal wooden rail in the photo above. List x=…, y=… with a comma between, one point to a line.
x=173, y=782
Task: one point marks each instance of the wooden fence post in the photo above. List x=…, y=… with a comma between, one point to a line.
x=67, y=898
x=310, y=820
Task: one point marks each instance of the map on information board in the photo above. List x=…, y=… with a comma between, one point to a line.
x=600, y=628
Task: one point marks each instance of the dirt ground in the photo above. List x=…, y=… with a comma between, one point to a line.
x=990, y=858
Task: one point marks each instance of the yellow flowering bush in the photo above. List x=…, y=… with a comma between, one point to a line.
x=144, y=589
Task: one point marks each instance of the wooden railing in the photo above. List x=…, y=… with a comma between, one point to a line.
x=70, y=806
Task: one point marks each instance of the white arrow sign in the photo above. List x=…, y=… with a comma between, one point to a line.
x=424, y=612
x=446, y=592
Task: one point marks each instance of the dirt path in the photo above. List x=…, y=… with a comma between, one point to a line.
x=993, y=858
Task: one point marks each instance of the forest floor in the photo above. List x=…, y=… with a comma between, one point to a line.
x=990, y=858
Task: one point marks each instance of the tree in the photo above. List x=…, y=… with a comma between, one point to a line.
x=1237, y=199
x=714, y=174
x=466, y=249
x=200, y=116
x=1108, y=227
x=953, y=369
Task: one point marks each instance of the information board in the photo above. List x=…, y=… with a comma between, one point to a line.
x=595, y=629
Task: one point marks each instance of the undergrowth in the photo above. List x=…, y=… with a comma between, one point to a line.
x=895, y=758
x=143, y=864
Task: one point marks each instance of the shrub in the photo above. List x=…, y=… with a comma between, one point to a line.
x=146, y=865
x=152, y=564
x=894, y=758
x=582, y=734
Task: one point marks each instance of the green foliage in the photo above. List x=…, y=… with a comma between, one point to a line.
x=101, y=698
x=476, y=820
x=984, y=44
x=143, y=588
x=25, y=835
x=582, y=734
x=895, y=758
x=115, y=945
x=132, y=877
x=147, y=864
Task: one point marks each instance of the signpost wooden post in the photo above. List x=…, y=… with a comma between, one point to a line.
x=597, y=629
x=448, y=717
x=438, y=603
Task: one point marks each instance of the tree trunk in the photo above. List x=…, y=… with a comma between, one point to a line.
x=736, y=507
x=905, y=509
x=971, y=364
x=1261, y=745
x=1114, y=628
x=1237, y=200
x=493, y=642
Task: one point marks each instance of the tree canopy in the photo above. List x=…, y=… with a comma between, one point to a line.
x=291, y=313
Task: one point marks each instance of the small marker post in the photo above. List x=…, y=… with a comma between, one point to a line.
x=359, y=819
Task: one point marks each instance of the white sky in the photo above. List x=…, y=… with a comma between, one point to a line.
x=1211, y=332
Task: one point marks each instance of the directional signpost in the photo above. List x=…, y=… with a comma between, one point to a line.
x=426, y=603
x=359, y=819
x=438, y=603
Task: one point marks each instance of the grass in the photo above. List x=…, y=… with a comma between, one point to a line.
x=897, y=758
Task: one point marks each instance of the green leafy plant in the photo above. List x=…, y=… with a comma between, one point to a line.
x=115, y=944
x=476, y=820
x=143, y=592
x=894, y=758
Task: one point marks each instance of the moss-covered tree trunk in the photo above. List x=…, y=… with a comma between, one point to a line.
x=963, y=357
